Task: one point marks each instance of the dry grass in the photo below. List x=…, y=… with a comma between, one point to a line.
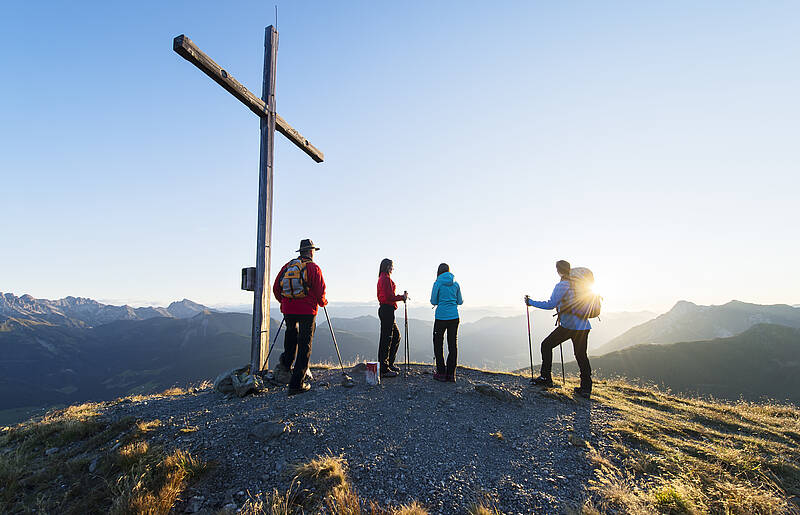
x=273, y=504
x=681, y=455
x=187, y=428
x=410, y=509
x=174, y=391
x=146, y=427
x=169, y=392
x=483, y=508
x=321, y=485
x=128, y=474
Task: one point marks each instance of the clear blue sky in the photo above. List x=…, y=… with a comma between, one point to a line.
x=655, y=143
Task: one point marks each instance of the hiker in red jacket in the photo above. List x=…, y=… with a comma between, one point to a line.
x=300, y=288
x=390, y=335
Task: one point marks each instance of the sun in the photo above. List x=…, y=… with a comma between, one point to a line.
x=600, y=288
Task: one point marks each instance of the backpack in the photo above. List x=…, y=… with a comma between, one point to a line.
x=294, y=281
x=580, y=299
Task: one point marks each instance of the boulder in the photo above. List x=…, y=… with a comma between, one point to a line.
x=238, y=381
x=246, y=383
x=224, y=384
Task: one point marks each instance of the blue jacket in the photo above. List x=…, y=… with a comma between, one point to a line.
x=568, y=320
x=446, y=296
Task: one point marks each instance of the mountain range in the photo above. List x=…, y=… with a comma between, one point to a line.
x=83, y=312
x=55, y=352
x=690, y=322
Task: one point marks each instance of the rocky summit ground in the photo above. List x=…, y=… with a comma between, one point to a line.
x=489, y=436
x=488, y=444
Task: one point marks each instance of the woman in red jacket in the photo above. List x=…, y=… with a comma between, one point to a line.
x=390, y=335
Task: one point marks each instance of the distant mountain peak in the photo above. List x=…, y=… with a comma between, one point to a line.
x=85, y=312
x=186, y=308
x=687, y=322
x=683, y=307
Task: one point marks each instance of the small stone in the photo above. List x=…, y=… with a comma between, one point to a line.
x=194, y=504
x=93, y=465
x=267, y=431
x=576, y=440
x=230, y=507
x=51, y=451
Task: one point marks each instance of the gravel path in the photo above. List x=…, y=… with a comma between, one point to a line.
x=446, y=445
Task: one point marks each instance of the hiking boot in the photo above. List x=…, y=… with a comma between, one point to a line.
x=303, y=389
x=583, y=392
x=389, y=373
x=547, y=382
x=394, y=368
x=451, y=378
x=440, y=377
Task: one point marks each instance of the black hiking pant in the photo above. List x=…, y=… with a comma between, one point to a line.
x=439, y=329
x=580, y=341
x=390, y=337
x=297, y=346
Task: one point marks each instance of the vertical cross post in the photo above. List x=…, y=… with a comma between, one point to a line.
x=260, y=335
x=264, y=107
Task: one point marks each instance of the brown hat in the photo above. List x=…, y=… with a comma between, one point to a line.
x=306, y=245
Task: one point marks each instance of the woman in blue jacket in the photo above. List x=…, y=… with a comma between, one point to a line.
x=446, y=296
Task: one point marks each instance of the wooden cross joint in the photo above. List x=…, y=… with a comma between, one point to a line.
x=186, y=48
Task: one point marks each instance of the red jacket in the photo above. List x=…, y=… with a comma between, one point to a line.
x=308, y=304
x=386, y=294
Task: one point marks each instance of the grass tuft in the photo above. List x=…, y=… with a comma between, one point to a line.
x=146, y=427
x=483, y=508
x=682, y=455
x=101, y=466
x=321, y=486
x=410, y=509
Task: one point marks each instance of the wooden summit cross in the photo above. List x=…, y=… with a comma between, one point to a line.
x=264, y=107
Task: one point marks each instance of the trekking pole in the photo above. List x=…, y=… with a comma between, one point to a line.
x=405, y=308
x=530, y=345
x=275, y=340
x=346, y=380
x=563, y=379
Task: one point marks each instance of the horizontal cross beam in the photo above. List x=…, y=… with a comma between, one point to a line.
x=186, y=48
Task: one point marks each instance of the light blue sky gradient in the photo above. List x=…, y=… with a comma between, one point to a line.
x=656, y=144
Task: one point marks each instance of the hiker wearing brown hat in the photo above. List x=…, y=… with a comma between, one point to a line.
x=300, y=289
